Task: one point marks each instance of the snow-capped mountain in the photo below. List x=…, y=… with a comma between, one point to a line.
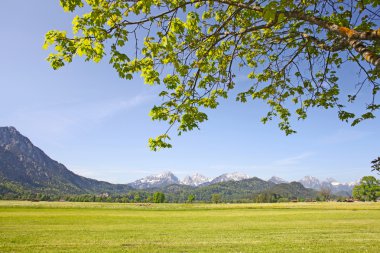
x=342, y=187
x=277, y=180
x=235, y=176
x=159, y=180
x=168, y=178
x=334, y=185
x=311, y=182
x=198, y=180
x=195, y=180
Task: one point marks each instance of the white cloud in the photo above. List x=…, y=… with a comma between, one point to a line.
x=100, y=111
x=58, y=119
x=293, y=160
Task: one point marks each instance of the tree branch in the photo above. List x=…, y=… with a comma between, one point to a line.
x=367, y=54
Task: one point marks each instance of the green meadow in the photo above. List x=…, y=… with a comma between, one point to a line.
x=107, y=227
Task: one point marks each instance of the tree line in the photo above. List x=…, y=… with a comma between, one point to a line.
x=367, y=190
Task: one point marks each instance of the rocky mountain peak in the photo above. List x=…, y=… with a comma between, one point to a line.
x=154, y=181
x=9, y=133
x=9, y=136
x=310, y=182
x=234, y=176
x=13, y=141
x=277, y=180
x=333, y=184
x=195, y=180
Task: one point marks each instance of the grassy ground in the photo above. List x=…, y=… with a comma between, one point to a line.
x=99, y=227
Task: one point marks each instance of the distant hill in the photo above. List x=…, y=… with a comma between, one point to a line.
x=292, y=190
x=24, y=167
x=232, y=191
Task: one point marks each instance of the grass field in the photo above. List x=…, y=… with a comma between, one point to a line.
x=106, y=227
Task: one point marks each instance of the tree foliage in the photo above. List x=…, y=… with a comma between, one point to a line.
x=215, y=198
x=376, y=165
x=294, y=52
x=326, y=193
x=190, y=198
x=368, y=189
x=158, y=197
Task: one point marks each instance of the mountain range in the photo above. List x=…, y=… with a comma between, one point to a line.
x=198, y=180
x=26, y=168
x=329, y=183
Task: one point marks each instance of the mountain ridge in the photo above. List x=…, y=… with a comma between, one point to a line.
x=27, y=166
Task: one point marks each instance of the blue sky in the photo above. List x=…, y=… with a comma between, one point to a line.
x=96, y=124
